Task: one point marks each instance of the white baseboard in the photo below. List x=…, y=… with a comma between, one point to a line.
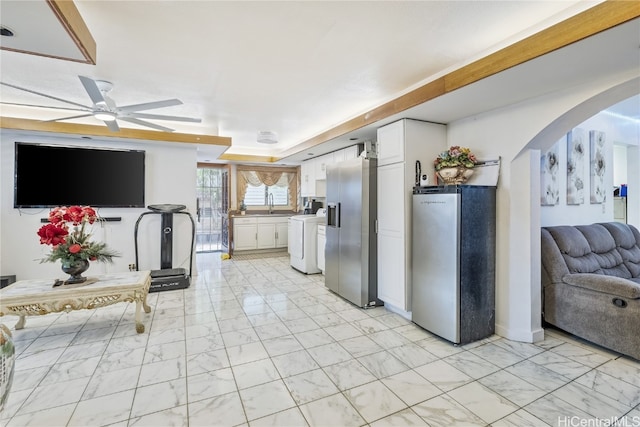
x=522, y=335
x=405, y=314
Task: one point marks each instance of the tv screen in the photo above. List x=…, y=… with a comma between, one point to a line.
x=54, y=175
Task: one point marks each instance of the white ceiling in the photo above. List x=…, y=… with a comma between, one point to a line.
x=295, y=68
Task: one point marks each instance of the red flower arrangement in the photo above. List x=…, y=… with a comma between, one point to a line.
x=68, y=244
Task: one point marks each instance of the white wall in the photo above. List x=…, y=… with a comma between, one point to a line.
x=588, y=213
x=633, y=184
x=619, y=164
x=170, y=177
x=517, y=134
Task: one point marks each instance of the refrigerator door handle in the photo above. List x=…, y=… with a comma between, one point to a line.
x=333, y=214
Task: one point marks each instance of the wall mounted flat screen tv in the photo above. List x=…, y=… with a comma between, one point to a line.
x=55, y=175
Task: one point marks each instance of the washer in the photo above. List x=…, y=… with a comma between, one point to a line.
x=303, y=241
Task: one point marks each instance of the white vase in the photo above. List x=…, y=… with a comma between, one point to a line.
x=455, y=175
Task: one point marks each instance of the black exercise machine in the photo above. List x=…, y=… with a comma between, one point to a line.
x=168, y=278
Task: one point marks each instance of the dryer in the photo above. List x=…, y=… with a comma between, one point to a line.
x=303, y=241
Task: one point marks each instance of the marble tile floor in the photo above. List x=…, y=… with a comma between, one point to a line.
x=255, y=343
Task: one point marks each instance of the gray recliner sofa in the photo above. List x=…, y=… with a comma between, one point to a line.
x=591, y=283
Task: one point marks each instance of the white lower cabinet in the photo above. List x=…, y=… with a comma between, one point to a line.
x=392, y=276
x=245, y=234
x=282, y=234
x=266, y=236
x=260, y=233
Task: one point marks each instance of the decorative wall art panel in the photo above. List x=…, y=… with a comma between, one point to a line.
x=576, y=157
x=549, y=187
x=597, y=166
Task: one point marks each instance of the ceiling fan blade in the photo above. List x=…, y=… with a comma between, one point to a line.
x=93, y=90
x=145, y=123
x=17, y=104
x=68, y=118
x=161, y=117
x=149, y=105
x=46, y=96
x=112, y=125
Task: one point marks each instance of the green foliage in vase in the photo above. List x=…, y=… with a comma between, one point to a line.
x=455, y=156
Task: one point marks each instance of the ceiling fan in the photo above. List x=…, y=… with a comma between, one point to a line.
x=104, y=108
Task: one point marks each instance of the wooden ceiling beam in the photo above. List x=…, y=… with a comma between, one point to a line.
x=74, y=25
x=246, y=158
x=103, y=131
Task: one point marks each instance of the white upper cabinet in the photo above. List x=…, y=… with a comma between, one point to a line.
x=321, y=163
x=313, y=172
x=346, y=154
x=308, y=179
x=391, y=150
x=349, y=152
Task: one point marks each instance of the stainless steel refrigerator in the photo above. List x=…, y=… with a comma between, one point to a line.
x=351, y=247
x=453, y=261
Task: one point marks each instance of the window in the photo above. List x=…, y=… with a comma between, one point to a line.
x=259, y=196
x=257, y=183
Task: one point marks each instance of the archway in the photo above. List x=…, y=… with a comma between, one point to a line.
x=524, y=228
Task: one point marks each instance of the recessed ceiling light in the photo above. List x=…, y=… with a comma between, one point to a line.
x=6, y=32
x=267, y=137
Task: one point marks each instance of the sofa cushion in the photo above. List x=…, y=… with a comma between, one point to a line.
x=605, y=250
x=575, y=250
x=599, y=238
x=628, y=240
x=570, y=240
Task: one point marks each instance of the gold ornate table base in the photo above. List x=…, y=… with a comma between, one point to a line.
x=38, y=297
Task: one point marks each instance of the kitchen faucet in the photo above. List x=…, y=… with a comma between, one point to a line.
x=270, y=203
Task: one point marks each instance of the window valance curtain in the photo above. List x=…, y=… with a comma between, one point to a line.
x=258, y=175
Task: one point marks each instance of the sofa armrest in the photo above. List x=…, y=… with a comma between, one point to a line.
x=607, y=284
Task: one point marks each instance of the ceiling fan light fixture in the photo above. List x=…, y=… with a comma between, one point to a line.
x=106, y=116
x=267, y=137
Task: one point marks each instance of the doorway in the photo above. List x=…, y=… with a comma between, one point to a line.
x=212, y=191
